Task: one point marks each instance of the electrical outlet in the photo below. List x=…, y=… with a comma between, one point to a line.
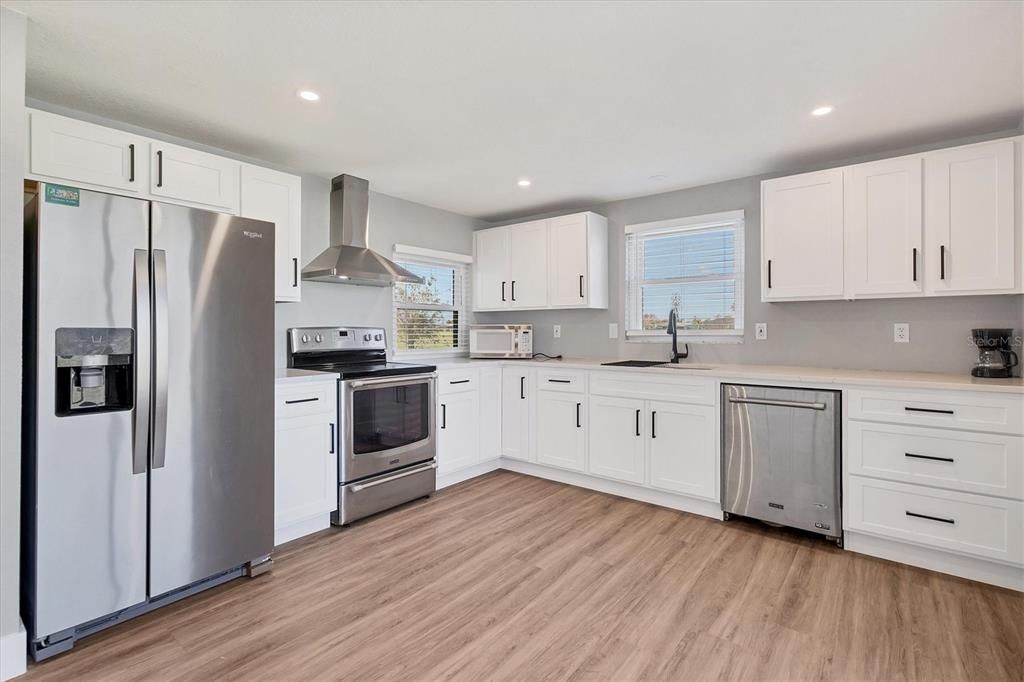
x=558, y=331
x=901, y=332
x=761, y=331
x=613, y=330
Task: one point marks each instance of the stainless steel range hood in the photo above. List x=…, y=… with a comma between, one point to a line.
x=348, y=260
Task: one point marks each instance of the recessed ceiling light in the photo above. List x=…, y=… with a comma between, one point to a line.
x=821, y=111
x=524, y=182
x=308, y=95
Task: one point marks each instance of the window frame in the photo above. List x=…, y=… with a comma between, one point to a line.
x=633, y=287
x=404, y=253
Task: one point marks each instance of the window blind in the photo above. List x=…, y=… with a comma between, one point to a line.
x=431, y=316
x=692, y=265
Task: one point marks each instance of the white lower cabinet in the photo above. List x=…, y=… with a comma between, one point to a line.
x=458, y=436
x=684, y=458
x=305, y=459
x=617, y=438
x=468, y=422
x=516, y=410
x=561, y=439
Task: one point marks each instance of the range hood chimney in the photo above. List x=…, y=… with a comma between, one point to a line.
x=348, y=260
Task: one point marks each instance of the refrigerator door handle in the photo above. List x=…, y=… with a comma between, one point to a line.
x=160, y=340
x=143, y=348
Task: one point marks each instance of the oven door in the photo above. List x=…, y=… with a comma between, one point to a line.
x=388, y=423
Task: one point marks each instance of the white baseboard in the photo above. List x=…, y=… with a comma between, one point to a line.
x=445, y=480
x=13, y=653
x=634, y=492
x=296, y=530
x=1010, y=577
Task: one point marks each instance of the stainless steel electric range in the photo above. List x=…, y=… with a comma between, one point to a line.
x=386, y=441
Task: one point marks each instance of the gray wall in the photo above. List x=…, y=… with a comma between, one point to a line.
x=854, y=334
x=12, y=164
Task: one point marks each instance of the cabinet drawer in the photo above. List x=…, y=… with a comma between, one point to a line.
x=948, y=409
x=971, y=462
x=567, y=380
x=297, y=401
x=457, y=381
x=971, y=524
x=653, y=386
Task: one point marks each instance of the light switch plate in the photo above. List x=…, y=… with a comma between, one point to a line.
x=761, y=331
x=901, y=332
x=613, y=330
x=558, y=331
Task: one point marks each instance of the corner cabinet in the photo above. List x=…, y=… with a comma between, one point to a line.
x=93, y=157
x=556, y=263
x=468, y=422
x=940, y=223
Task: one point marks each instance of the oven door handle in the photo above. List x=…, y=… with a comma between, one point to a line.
x=393, y=381
x=381, y=481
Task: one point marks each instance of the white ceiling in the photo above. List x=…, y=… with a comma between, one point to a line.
x=449, y=104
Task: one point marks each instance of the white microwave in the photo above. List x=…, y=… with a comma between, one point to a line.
x=501, y=341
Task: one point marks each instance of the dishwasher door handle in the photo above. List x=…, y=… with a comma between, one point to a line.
x=780, y=403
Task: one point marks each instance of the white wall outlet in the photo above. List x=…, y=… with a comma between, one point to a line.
x=558, y=331
x=613, y=330
x=901, y=332
x=761, y=331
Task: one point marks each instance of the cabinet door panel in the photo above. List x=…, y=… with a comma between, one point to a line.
x=568, y=256
x=561, y=439
x=528, y=265
x=305, y=478
x=192, y=176
x=969, y=199
x=490, y=269
x=277, y=198
x=458, y=438
x=516, y=402
x=683, y=457
x=802, y=229
x=618, y=432
x=884, y=227
x=490, y=413
x=80, y=152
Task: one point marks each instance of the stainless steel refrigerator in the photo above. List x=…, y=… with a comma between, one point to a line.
x=148, y=410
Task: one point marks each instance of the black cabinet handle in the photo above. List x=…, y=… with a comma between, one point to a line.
x=928, y=410
x=914, y=261
x=503, y=291
x=654, y=422
x=513, y=290
x=131, y=163
x=301, y=400
x=332, y=438
x=444, y=415
x=578, y=425
x=522, y=388
x=931, y=518
x=459, y=381
x=559, y=381
x=942, y=261
x=295, y=272
x=581, y=287
x=638, y=422
x=160, y=169
x=937, y=459
x=769, y=273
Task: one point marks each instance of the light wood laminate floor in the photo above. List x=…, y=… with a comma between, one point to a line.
x=513, y=577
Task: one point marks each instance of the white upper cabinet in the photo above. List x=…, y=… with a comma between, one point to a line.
x=971, y=229
x=802, y=236
x=194, y=177
x=277, y=198
x=84, y=154
x=884, y=228
x=554, y=263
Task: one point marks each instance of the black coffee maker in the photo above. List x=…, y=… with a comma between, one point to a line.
x=995, y=359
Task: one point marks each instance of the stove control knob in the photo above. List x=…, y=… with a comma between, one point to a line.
x=378, y=337
x=366, y=337
x=305, y=338
x=318, y=338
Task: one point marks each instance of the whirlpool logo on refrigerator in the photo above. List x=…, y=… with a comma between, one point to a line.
x=252, y=235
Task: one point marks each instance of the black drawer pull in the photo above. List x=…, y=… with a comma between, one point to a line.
x=513, y=290
x=503, y=291
x=459, y=381
x=444, y=415
x=638, y=422
x=937, y=459
x=522, y=388
x=769, y=273
x=581, y=287
x=654, y=422
x=928, y=410
x=930, y=518
x=160, y=169
x=914, y=261
x=332, y=438
x=295, y=272
x=942, y=261
x=560, y=381
x=578, y=425
x=301, y=400
x=131, y=163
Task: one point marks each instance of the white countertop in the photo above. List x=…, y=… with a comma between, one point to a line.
x=812, y=375
x=289, y=375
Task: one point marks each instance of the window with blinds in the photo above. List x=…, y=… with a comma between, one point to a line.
x=431, y=316
x=693, y=265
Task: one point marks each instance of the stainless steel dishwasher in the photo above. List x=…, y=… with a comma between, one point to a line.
x=780, y=457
